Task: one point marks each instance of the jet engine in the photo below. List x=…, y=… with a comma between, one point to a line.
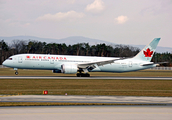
x=69, y=68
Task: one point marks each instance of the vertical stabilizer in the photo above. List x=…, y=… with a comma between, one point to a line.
x=147, y=52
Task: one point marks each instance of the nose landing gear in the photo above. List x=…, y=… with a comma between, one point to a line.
x=16, y=73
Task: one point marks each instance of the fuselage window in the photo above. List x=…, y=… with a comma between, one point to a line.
x=10, y=59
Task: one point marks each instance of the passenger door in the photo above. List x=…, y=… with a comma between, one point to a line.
x=130, y=64
x=20, y=59
x=52, y=61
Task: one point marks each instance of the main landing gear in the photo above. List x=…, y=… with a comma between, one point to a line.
x=82, y=75
x=85, y=74
x=16, y=71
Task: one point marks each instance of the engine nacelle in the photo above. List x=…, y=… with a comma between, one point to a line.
x=69, y=68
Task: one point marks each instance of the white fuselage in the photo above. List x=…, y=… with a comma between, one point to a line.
x=54, y=62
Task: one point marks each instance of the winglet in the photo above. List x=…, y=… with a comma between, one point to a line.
x=147, y=52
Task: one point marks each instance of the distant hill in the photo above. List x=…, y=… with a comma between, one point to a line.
x=68, y=40
x=76, y=39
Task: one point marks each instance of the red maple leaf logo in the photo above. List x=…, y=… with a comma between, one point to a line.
x=148, y=53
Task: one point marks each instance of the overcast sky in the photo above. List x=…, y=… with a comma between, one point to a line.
x=118, y=21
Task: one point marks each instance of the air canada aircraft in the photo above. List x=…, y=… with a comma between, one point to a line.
x=81, y=65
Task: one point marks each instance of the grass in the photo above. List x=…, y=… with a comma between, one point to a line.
x=86, y=87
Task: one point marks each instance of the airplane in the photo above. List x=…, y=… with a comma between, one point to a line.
x=81, y=65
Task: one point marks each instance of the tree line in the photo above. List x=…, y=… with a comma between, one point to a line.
x=79, y=49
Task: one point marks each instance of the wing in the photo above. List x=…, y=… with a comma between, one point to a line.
x=98, y=63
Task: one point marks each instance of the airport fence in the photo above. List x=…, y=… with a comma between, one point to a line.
x=161, y=68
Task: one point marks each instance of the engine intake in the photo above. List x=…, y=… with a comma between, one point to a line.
x=69, y=68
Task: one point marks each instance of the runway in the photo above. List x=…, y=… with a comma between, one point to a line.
x=88, y=99
x=150, y=108
x=87, y=113
x=93, y=77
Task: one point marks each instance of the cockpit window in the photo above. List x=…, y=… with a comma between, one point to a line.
x=10, y=59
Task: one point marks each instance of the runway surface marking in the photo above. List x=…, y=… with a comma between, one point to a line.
x=87, y=99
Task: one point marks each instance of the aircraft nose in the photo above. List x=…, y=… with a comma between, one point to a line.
x=4, y=63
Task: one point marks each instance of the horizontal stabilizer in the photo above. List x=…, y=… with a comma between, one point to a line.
x=147, y=64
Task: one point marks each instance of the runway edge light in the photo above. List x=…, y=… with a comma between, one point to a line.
x=45, y=92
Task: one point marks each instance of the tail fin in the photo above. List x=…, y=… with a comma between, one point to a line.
x=147, y=52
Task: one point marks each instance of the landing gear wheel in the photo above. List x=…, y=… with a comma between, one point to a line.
x=82, y=75
x=16, y=73
x=78, y=75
